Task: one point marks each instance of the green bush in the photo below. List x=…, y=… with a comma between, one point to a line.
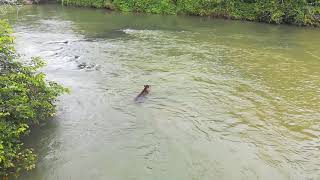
x=89, y=3
x=299, y=12
x=26, y=99
x=148, y=6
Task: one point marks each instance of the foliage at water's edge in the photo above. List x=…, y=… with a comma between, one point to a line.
x=298, y=12
x=26, y=99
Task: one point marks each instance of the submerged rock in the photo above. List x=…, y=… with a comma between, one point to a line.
x=82, y=65
x=57, y=42
x=89, y=66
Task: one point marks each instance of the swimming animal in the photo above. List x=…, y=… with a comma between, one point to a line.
x=142, y=95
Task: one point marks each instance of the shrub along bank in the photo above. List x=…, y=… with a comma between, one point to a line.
x=298, y=12
x=26, y=99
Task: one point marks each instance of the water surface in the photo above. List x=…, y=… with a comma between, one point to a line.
x=229, y=99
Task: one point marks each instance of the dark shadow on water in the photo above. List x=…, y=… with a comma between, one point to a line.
x=42, y=140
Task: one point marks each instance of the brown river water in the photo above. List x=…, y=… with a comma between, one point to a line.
x=229, y=100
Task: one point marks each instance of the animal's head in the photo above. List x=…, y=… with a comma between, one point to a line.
x=147, y=86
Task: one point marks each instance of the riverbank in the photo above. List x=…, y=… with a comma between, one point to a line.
x=26, y=100
x=300, y=12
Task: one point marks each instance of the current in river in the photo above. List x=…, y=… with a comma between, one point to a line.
x=229, y=100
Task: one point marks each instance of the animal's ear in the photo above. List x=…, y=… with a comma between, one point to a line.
x=145, y=85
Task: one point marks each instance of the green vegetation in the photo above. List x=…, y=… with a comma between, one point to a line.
x=26, y=99
x=298, y=12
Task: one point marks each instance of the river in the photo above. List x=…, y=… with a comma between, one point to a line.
x=229, y=99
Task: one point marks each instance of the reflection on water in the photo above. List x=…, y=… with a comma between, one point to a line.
x=229, y=99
